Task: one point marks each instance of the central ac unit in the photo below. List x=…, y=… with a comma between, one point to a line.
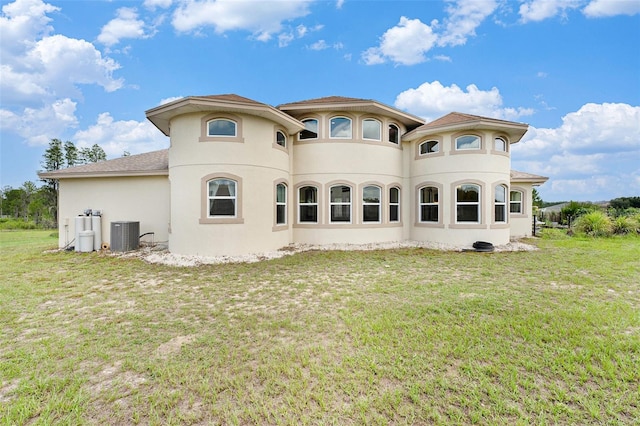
x=125, y=236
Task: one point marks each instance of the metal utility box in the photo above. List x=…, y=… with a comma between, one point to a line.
x=125, y=236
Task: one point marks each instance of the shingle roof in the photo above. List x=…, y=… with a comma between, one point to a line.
x=325, y=100
x=147, y=164
x=458, y=118
x=517, y=176
x=232, y=97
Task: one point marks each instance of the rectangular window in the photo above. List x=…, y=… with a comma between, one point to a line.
x=500, y=204
x=308, y=204
x=371, y=204
x=281, y=204
x=429, y=204
x=222, y=198
x=340, y=204
x=515, y=204
x=394, y=205
x=468, y=203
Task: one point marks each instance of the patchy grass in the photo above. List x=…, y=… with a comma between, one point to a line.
x=406, y=336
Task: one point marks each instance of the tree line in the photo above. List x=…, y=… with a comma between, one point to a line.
x=38, y=206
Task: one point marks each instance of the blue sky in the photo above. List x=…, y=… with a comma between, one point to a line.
x=86, y=71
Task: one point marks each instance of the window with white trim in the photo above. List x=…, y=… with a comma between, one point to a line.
x=222, y=127
x=371, y=203
x=310, y=129
x=500, y=204
x=371, y=129
x=340, y=203
x=281, y=204
x=515, y=202
x=340, y=128
x=429, y=204
x=221, y=198
x=308, y=204
x=281, y=139
x=468, y=203
x=429, y=147
x=394, y=134
x=467, y=142
x=394, y=204
x=500, y=144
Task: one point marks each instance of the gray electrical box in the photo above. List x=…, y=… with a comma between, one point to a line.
x=125, y=236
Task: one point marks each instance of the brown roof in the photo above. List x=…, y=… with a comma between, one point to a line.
x=458, y=118
x=231, y=97
x=148, y=164
x=517, y=176
x=325, y=100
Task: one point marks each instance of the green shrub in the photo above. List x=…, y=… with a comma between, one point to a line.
x=623, y=225
x=593, y=224
x=16, y=224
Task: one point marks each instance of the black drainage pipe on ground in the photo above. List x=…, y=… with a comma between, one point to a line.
x=483, y=246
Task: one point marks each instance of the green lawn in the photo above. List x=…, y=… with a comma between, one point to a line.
x=407, y=336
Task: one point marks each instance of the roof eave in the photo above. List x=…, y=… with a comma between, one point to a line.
x=515, y=131
x=367, y=106
x=132, y=173
x=161, y=116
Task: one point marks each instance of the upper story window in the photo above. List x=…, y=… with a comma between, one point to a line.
x=394, y=134
x=222, y=198
x=500, y=204
x=394, y=204
x=500, y=144
x=371, y=204
x=281, y=204
x=515, y=202
x=429, y=147
x=281, y=139
x=468, y=203
x=308, y=204
x=222, y=127
x=468, y=142
x=371, y=129
x=311, y=129
x=340, y=128
x=429, y=204
x=340, y=203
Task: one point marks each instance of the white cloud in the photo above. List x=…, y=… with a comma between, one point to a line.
x=405, y=44
x=432, y=100
x=153, y=4
x=464, y=17
x=605, y=8
x=22, y=22
x=595, y=151
x=539, y=10
x=125, y=25
x=263, y=19
x=116, y=137
x=286, y=37
x=36, y=125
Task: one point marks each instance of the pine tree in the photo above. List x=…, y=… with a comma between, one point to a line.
x=70, y=154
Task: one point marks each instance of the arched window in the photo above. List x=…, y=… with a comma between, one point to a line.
x=371, y=129
x=515, y=202
x=429, y=204
x=222, y=127
x=371, y=204
x=394, y=204
x=340, y=203
x=468, y=142
x=281, y=204
x=340, y=128
x=222, y=198
x=394, y=134
x=500, y=144
x=429, y=147
x=500, y=204
x=311, y=129
x=468, y=203
x=308, y=204
x=281, y=139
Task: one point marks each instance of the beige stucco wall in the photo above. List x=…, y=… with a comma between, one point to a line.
x=254, y=162
x=522, y=224
x=446, y=170
x=139, y=199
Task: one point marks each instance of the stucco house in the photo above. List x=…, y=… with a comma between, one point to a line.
x=241, y=177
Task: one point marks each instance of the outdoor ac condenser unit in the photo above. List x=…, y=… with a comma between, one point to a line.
x=125, y=236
